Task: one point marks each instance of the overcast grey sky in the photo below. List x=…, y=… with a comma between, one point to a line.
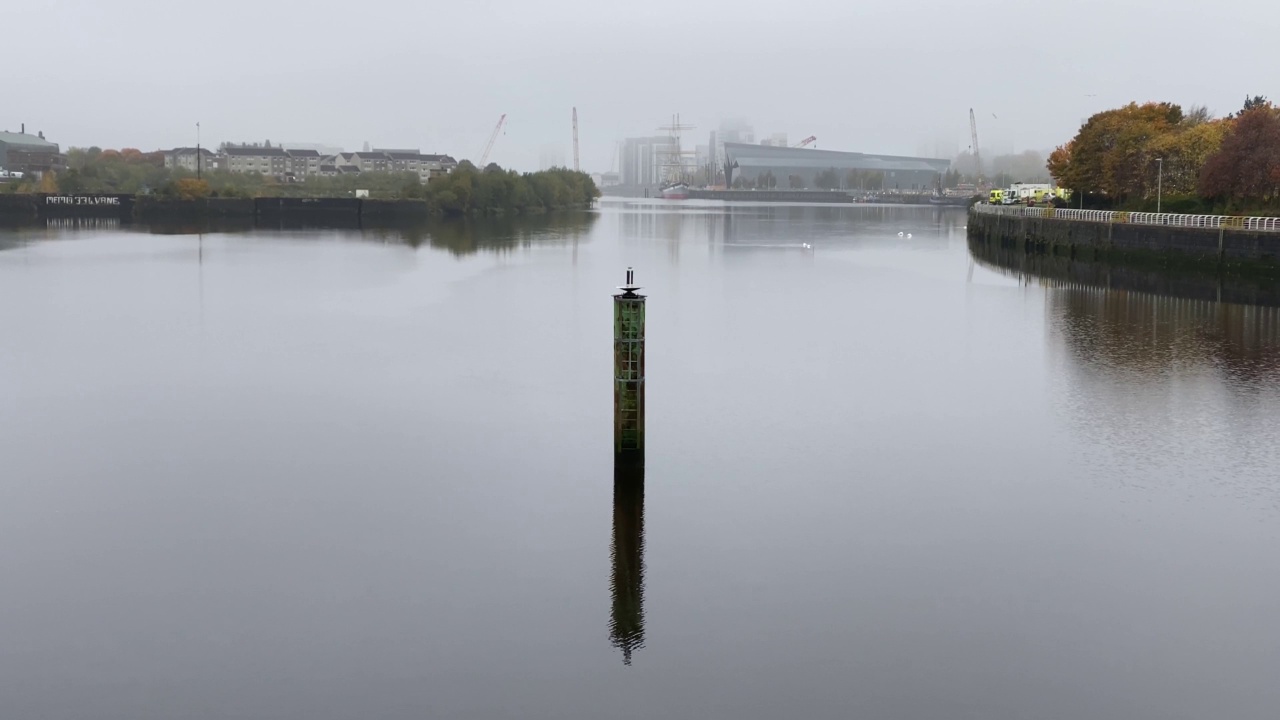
x=867, y=76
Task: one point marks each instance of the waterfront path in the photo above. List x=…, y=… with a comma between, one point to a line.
x=1214, y=222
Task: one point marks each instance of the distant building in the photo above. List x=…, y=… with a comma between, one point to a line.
x=852, y=169
x=425, y=166
x=321, y=148
x=32, y=154
x=303, y=163
x=370, y=161
x=186, y=159
x=702, y=155
x=641, y=160
x=299, y=163
x=775, y=140
x=736, y=131
x=261, y=159
x=550, y=156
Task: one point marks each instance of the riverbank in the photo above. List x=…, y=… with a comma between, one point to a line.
x=1234, y=245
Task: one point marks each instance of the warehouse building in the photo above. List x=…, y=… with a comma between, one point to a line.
x=30, y=154
x=785, y=167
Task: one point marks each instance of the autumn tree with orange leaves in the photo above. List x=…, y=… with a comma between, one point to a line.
x=1110, y=153
x=1231, y=162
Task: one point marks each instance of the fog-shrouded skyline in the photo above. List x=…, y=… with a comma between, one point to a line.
x=870, y=77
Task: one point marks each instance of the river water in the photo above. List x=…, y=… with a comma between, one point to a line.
x=341, y=473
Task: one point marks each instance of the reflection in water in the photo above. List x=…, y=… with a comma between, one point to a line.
x=1060, y=271
x=460, y=237
x=746, y=228
x=626, y=619
x=1153, y=385
x=1149, y=320
x=1157, y=373
x=497, y=234
x=1151, y=333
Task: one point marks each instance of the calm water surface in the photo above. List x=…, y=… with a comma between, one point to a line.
x=346, y=474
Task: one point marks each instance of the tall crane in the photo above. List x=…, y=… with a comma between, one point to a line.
x=977, y=156
x=484, y=157
x=575, y=140
x=807, y=141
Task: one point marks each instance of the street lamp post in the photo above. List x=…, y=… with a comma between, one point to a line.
x=1159, y=183
x=197, y=151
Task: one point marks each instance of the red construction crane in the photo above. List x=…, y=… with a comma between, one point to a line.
x=484, y=157
x=806, y=141
x=575, y=140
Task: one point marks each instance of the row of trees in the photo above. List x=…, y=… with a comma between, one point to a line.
x=467, y=190
x=1127, y=155
x=470, y=191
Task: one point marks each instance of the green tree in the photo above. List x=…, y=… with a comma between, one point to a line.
x=827, y=179
x=1250, y=103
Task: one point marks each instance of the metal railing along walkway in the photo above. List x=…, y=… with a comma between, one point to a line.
x=1213, y=222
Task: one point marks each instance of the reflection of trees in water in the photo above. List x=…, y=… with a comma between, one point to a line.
x=626, y=617
x=494, y=234
x=460, y=237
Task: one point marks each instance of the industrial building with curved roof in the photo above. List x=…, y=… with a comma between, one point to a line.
x=889, y=172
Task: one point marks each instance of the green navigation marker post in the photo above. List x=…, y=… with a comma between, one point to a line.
x=628, y=372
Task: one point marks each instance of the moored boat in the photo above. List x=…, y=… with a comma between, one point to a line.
x=678, y=191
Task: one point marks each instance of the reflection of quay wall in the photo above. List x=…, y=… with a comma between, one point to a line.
x=1148, y=333
x=1133, y=317
x=1063, y=271
x=1159, y=243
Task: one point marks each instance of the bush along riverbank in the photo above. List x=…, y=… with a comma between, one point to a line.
x=467, y=191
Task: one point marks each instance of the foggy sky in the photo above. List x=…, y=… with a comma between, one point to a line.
x=873, y=77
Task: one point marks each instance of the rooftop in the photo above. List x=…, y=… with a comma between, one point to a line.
x=13, y=138
x=255, y=151
x=772, y=155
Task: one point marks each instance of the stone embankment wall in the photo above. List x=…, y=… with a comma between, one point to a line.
x=1202, y=247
